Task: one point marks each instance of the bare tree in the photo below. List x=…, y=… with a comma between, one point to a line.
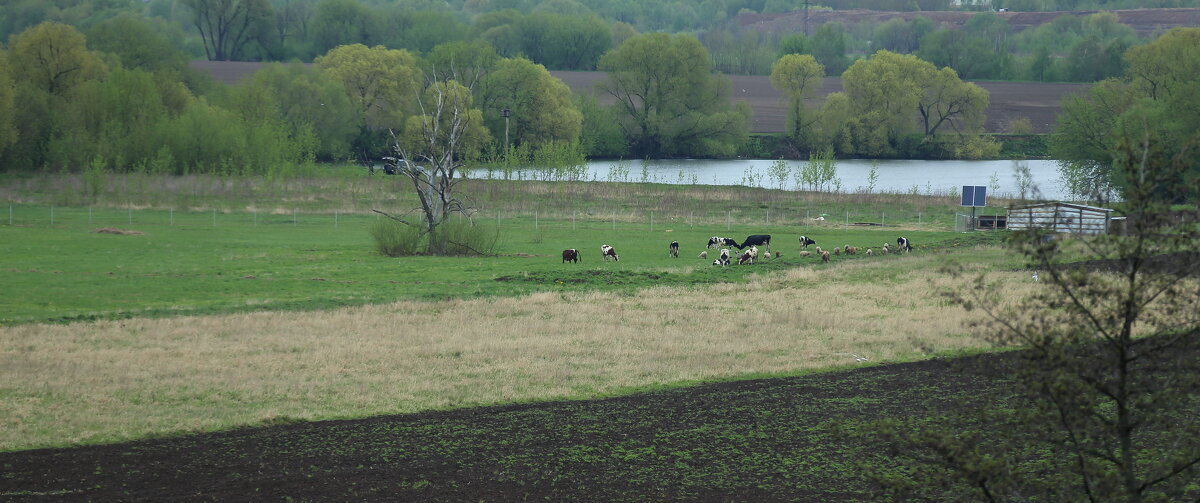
x=429, y=152
x=226, y=26
x=1104, y=392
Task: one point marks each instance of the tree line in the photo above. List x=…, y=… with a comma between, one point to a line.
x=569, y=35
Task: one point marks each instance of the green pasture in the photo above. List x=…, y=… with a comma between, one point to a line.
x=56, y=267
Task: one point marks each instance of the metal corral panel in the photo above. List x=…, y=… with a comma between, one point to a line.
x=1060, y=217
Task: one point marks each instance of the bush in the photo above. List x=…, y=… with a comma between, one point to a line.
x=463, y=237
x=395, y=239
x=457, y=236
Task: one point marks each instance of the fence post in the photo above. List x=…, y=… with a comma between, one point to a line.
x=535, y=220
x=727, y=216
x=214, y=215
x=335, y=218
x=52, y=214
x=918, y=218
x=847, y=219
x=651, y=221
x=573, y=212
x=89, y=215
x=10, y=215
x=171, y=222
x=293, y=217
x=130, y=210
x=882, y=219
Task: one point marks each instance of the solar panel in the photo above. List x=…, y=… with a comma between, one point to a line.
x=974, y=195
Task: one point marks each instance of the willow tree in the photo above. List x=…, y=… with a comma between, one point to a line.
x=891, y=95
x=798, y=77
x=668, y=101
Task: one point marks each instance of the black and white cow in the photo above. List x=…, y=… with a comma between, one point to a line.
x=805, y=241
x=723, y=260
x=902, y=244
x=763, y=240
x=609, y=253
x=675, y=249
x=720, y=241
x=571, y=255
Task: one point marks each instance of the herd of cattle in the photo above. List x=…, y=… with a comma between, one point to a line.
x=748, y=250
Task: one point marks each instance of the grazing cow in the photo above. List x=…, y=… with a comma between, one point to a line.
x=724, y=258
x=675, y=249
x=805, y=241
x=609, y=253
x=757, y=240
x=902, y=244
x=825, y=256
x=704, y=254
x=720, y=241
x=571, y=255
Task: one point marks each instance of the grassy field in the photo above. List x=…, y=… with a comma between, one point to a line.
x=217, y=318
x=217, y=262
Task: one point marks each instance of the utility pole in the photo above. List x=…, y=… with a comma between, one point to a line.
x=506, y=113
x=806, y=4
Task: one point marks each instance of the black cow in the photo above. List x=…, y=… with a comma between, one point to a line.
x=571, y=255
x=902, y=244
x=805, y=241
x=675, y=249
x=763, y=240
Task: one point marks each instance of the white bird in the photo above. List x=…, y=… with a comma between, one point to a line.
x=1035, y=278
x=860, y=358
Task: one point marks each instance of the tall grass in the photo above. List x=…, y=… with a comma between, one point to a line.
x=347, y=189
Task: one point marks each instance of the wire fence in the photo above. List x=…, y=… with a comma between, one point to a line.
x=535, y=219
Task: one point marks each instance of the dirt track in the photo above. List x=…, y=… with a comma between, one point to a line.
x=1039, y=102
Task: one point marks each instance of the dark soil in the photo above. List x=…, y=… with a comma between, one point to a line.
x=811, y=438
x=1146, y=22
x=759, y=440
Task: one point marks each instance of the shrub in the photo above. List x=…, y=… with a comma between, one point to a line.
x=464, y=237
x=395, y=239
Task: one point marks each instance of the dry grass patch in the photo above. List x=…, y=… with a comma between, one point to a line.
x=112, y=380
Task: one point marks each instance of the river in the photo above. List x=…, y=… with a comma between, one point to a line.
x=852, y=175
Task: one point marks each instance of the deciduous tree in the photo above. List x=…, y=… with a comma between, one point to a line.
x=430, y=152
x=8, y=91
x=669, y=102
x=382, y=84
x=540, y=104
x=1102, y=404
x=54, y=58
x=227, y=26
x=798, y=77
x=1157, y=90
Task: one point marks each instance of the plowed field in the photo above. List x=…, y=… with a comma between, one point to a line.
x=757, y=440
